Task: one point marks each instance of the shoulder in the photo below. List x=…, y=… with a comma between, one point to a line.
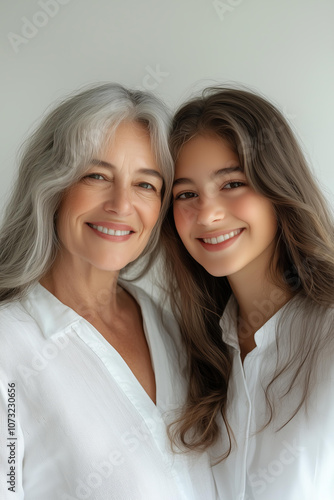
x=20, y=336
x=310, y=325
x=314, y=324
x=304, y=311
x=28, y=325
x=13, y=317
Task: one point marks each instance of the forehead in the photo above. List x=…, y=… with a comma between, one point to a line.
x=130, y=140
x=205, y=153
x=127, y=132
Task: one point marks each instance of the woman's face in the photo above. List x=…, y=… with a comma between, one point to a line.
x=225, y=225
x=106, y=218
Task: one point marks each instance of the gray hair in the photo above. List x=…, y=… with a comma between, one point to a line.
x=54, y=158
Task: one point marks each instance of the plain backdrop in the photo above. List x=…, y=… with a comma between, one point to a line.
x=281, y=48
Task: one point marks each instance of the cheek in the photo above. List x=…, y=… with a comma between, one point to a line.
x=264, y=213
x=72, y=206
x=183, y=217
x=270, y=223
x=65, y=224
x=258, y=212
x=243, y=207
x=151, y=212
x=76, y=201
x=184, y=213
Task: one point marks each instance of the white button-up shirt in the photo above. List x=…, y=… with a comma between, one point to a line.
x=84, y=427
x=295, y=463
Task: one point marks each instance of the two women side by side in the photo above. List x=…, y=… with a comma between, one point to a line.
x=101, y=379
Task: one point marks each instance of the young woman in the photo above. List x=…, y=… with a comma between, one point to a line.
x=250, y=256
x=87, y=371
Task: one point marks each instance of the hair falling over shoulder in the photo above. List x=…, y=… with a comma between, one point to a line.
x=304, y=260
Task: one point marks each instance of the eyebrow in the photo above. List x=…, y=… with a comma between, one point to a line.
x=147, y=171
x=216, y=173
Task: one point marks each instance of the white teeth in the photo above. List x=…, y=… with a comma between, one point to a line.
x=111, y=232
x=223, y=237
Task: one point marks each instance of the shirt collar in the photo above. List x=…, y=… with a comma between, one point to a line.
x=228, y=323
x=51, y=315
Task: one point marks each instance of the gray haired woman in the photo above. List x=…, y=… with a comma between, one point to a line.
x=88, y=371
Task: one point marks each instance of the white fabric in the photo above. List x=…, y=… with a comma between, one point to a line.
x=85, y=427
x=295, y=463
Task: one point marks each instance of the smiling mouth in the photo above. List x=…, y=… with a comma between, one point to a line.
x=111, y=232
x=221, y=238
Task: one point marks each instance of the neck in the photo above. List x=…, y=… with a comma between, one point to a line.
x=258, y=298
x=91, y=292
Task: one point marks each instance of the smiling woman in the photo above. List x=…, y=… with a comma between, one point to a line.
x=249, y=255
x=215, y=209
x=95, y=372
x=117, y=200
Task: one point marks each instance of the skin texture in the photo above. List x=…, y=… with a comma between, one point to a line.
x=122, y=196
x=212, y=197
x=209, y=205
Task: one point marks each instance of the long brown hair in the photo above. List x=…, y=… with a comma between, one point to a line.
x=304, y=259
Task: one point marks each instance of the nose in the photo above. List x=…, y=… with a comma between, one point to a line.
x=119, y=201
x=210, y=210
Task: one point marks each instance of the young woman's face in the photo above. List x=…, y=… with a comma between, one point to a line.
x=107, y=217
x=224, y=224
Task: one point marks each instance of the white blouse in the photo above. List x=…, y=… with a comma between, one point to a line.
x=84, y=427
x=294, y=463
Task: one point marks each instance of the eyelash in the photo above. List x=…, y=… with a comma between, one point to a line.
x=99, y=177
x=178, y=196
x=91, y=176
x=147, y=184
x=235, y=182
x=194, y=195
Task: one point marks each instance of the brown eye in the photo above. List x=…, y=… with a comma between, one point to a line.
x=185, y=196
x=234, y=185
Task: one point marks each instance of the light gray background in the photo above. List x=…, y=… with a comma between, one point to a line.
x=282, y=48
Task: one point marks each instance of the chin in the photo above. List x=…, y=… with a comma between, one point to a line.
x=114, y=265
x=214, y=272
x=217, y=272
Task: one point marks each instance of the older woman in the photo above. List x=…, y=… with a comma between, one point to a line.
x=88, y=373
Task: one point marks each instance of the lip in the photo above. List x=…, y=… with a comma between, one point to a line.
x=113, y=225
x=220, y=246
x=218, y=233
